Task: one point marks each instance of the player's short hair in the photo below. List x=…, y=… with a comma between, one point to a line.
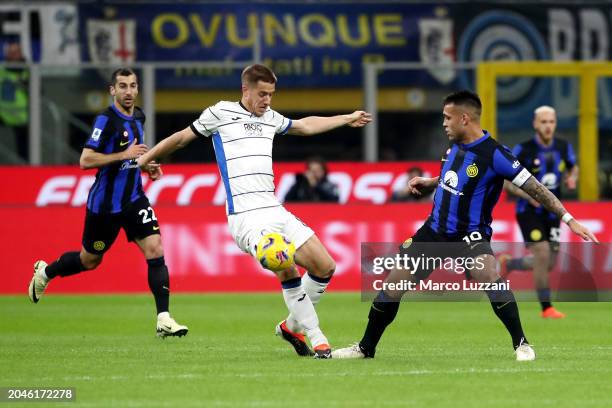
x=464, y=98
x=257, y=72
x=319, y=160
x=542, y=109
x=121, y=72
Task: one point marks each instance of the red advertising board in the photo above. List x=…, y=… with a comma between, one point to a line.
x=202, y=256
x=199, y=250
x=200, y=184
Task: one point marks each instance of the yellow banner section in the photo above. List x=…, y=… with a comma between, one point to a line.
x=309, y=100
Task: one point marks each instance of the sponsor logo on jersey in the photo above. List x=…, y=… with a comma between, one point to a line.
x=129, y=164
x=550, y=181
x=253, y=129
x=451, y=179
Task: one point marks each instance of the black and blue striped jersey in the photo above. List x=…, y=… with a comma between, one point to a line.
x=471, y=180
x=117, y=184
x=547, y=164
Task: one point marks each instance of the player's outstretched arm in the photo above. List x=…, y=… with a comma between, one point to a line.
x=313, y=125
x=422, y=185
x=167, y=146
x=91, y=159
x=549, y=201
x=518, y=192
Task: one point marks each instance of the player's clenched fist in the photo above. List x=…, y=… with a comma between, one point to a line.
x=420, y=185
x=135, y=150
x=359, y=119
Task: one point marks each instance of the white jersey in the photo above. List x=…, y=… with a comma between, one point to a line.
x=243, y=148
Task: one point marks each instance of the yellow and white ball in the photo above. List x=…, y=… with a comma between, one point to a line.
x=275, y=252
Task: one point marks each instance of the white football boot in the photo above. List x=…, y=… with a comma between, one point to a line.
x=167, y=326
x=525, y=352
x=39, y=283
x=353, y=351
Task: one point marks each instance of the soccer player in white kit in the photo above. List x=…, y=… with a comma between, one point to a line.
x=242, y=134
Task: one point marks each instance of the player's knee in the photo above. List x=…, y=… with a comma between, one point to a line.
x=541, y=251
x=327, y=270
x=153, y=251
x=90, y=263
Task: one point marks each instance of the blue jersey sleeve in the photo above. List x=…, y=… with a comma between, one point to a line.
x=99, y=135
x=571, y=156
x=507, y=166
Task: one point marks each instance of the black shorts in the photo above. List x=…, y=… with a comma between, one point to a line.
x=539, y=228
x=427, y=243
x=138, y=221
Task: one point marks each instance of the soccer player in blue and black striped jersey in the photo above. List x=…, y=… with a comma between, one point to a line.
x=551, y=160
x=472, y=175
x=116, y=200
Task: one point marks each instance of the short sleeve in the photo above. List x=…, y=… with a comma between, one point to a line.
x=207, y=123
x=508, y=166
x=100, y=134
x=281, y=123
x=570, y=156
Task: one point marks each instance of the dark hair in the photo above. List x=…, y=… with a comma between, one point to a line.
x=317, y=159
x=257, y=72
x=121, y=72
x=464, y=98
x=415, y=169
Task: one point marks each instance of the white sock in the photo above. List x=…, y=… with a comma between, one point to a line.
x=314, y=290
x=163, y=315
x=303, y=312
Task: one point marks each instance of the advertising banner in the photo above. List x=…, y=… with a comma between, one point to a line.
x=202, y=256
x=200, y=184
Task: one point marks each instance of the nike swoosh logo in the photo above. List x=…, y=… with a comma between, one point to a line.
x=155, y=228
x=163, y=287
x=499, y=307
x=302, y=298
x=236, y=118
x=123, y=143
x=321, y=291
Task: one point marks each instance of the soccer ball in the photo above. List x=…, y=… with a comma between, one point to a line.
x=275, y=252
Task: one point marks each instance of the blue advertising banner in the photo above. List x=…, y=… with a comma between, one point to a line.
x=324, y=45
x=306, y=44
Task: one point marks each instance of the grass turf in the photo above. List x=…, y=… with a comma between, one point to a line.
x=434, y=354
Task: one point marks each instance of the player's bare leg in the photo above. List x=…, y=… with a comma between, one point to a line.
x=159, y=284
x=69, y=263
x=302, y=310
x=504, y=306
x=543, y=260
x=320, y=267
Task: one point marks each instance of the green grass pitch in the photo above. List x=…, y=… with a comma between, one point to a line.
x=434, y=355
